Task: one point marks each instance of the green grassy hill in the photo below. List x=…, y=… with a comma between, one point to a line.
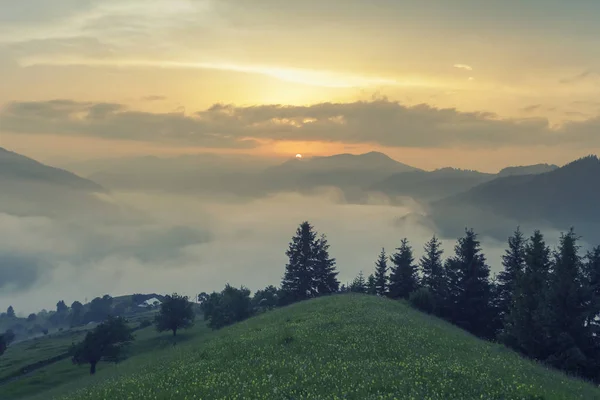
x=339, y=347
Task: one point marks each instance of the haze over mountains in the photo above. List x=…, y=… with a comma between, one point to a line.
x=131, y=224
x=32, y=188
x=541, y=193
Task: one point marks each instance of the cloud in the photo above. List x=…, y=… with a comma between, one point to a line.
x=190, y=245
x=113, y=121
x=531, y=108
x=311, y=77
x=32, y=248
x=153, y=98
x=20, y=271
x=585, y=75
x=379, y=121
x=463, y=66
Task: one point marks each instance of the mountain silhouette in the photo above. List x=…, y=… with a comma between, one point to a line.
x=352, y=174
x=31, y=188
x=561, y=198
x=431, y=185
x=527, y=170
x=18, y=168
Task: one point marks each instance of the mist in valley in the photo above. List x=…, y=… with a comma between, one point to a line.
x=189, y=244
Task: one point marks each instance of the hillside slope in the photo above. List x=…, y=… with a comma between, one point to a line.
x=558, y=199
x=28, y=187
x=339, y=347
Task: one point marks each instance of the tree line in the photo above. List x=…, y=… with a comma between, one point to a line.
x=545, y=303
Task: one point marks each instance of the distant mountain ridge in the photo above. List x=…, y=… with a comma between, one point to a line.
x=563, y=197
x=28, y=187
x=527, y=170
x=14, y=166
x=431, y=185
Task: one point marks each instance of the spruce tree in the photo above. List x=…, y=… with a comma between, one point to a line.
x=310, y=270
x=371, y=285
x=513, y=262
x=524, y=328
x=381, y=278
x=324, y=271
x=470, y=291
x=566, y=309
x=297, y=282
x=432, y=269
x=359, y=285
x=592, y=277
x=403, y=277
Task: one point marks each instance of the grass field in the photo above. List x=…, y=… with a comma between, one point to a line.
x=62, y=372
x=340, y=347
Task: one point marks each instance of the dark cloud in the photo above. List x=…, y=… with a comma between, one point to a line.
x=379, y=121
x=531, y=108
x=20, y=271
x=114, y=121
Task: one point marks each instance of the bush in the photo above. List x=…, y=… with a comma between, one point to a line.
x=145, y=323
x=422, y=299
x=230, y=306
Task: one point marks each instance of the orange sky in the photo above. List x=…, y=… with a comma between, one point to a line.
x=184, y=56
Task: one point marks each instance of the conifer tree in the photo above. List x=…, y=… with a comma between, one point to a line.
x=566, y=309
x=403, y=277
x=324, y=272
x=310, y=271
x=381, y=279
x=432, y=269
x=297, y=281
x=524, y=328
x=592, y=276
x=469, y=287
x=371, y=285
x=513, y=262
x=359, y=285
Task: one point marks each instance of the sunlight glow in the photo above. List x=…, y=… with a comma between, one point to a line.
x=320, y=78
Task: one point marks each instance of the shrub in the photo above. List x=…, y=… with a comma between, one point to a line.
x=422, y=299
x=145, y=323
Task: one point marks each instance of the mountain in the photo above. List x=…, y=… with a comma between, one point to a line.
x=527, y=170
x=431, y=185
x=17, y=168
x=372, y=161
x=188, y=174
x=242, y=176
x=32, y=188
x=353, y=174
x=561, y=198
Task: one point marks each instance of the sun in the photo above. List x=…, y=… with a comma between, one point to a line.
x=298, y=156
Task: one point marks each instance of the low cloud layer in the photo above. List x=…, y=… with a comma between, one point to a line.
x=381, y=121
x=190, y=245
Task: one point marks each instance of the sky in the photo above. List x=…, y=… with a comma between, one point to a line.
x=466, y=83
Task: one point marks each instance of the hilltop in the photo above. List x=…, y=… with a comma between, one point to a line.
x=341, y=346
